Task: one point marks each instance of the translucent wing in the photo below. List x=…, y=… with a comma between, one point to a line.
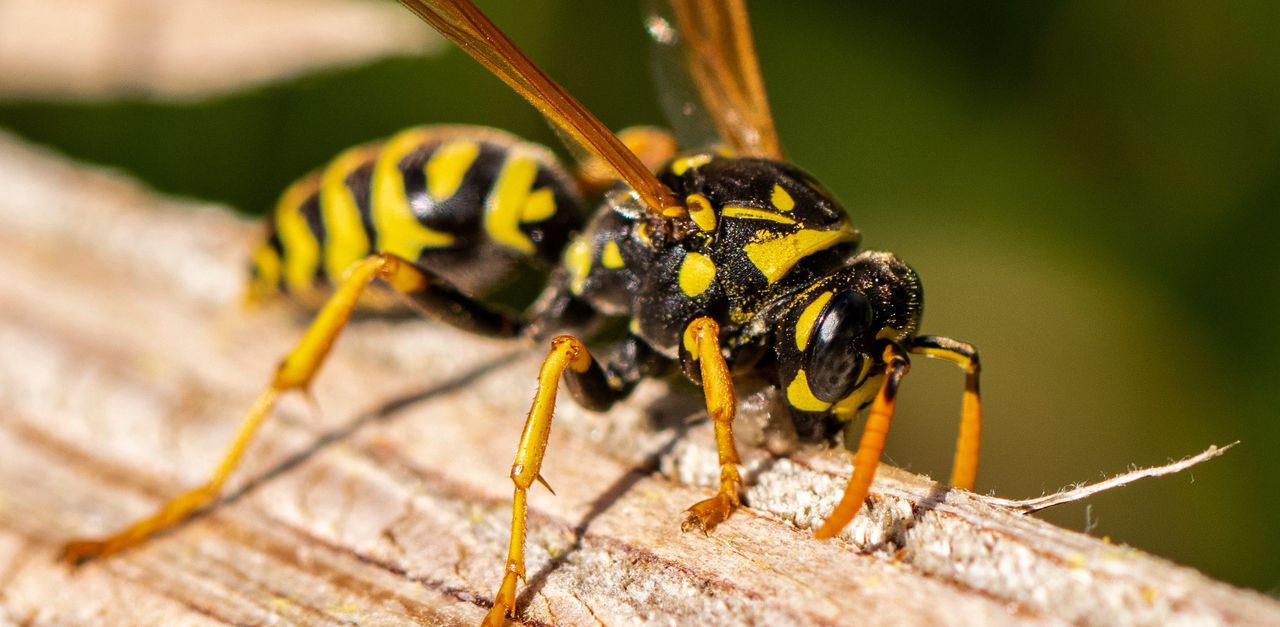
x=463, y=24
x=707, y=66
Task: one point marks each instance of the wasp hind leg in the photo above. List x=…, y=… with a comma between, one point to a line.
x=595, y=386
x=296, y=372
x=567, y=354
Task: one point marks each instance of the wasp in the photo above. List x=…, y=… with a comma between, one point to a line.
x=723, y=259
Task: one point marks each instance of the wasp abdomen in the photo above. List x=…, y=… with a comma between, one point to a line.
x=465, y=203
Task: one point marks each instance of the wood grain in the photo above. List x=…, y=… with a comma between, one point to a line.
x=125, y=365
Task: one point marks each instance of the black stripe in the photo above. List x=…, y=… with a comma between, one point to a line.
x=413, y=169
x=461, y=214
x=360, y=182
x=310, y=210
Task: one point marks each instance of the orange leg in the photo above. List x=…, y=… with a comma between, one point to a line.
x=964, y=472
x=295, y=372
x=654, y=146
x=870, y=446
x=566, y=353
x=702, y=341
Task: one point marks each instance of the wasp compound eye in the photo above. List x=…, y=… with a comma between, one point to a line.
x=835, y=352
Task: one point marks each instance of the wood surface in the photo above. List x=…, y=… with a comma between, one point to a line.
x=189, y=49
x=125, y=365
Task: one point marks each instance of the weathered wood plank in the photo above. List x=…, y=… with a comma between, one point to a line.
x=124, y=367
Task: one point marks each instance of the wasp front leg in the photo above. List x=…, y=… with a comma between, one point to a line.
x=867, y=458
x=702, y=341
x=296, y=372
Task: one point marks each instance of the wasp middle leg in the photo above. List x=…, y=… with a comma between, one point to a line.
x=701, y=340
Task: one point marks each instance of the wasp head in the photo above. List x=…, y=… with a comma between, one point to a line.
x=828, y=341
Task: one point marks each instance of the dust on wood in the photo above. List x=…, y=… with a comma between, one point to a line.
x=126, y=365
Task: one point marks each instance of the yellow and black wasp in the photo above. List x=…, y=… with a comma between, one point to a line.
x=725, y=261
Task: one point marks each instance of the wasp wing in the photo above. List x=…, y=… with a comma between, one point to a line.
x=709, y=76
x=463, y=24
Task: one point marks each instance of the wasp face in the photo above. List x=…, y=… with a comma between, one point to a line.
x=827, y=341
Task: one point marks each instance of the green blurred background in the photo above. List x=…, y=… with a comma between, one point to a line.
x=1089, y=190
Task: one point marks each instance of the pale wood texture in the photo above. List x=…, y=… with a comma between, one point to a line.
x=185, y=49
x=125, y=365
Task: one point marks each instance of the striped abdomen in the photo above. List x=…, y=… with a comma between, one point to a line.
x=465, y=203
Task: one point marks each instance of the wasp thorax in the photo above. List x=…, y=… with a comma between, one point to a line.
x=755, y=189
x=758, y=230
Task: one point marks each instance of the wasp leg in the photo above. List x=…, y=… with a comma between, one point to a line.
x=654, y=146
x=613, y=378
x=294, y=372
x=442, y=302
x=702, y=340
x=593, y=387
x=870, y=446
x=968, y=444
x=567, y=353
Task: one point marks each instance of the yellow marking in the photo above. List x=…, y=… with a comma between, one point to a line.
x=266, y=280
x=751, y=213
x=888, y=333
x=775, y=257
x=301, y=250
x=697, y=271
x=642, y=234
x=781, y=199
x=506, y=202
x=345, y=241
x=611, y=257
x=447, y=167
x=690, y=342
x=801, y=397
x=846, y=409
x=577, y=259
x=704, y=217
x=654, y=146
x=809, y=317
x=267, y=263
x=683, y=164
x=942, y=353
x=540, y=206
x=399, y=230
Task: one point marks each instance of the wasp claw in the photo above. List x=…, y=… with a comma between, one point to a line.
x=705, y=515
